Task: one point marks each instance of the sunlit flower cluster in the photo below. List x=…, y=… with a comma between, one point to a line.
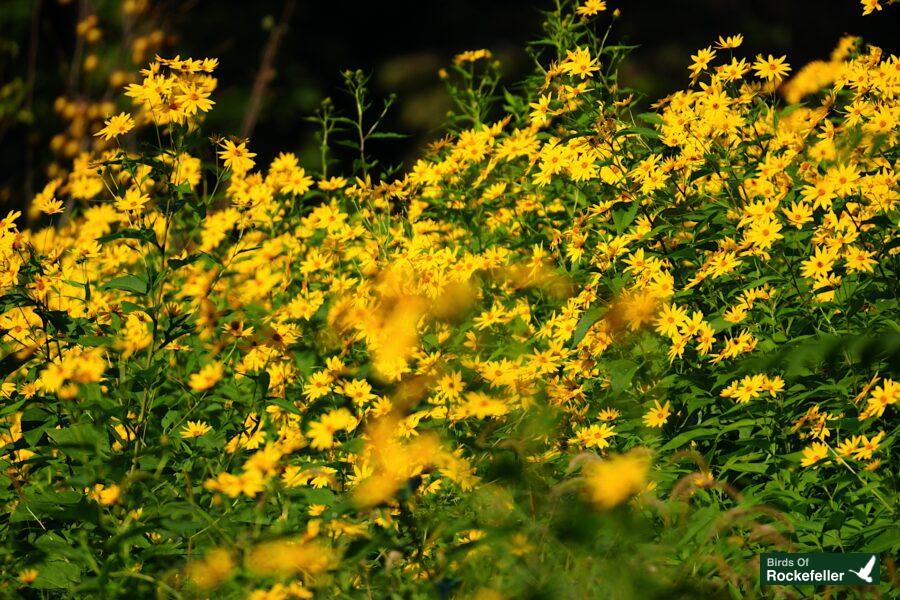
x=295, y=382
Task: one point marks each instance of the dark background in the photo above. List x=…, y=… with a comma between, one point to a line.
x=402, y=44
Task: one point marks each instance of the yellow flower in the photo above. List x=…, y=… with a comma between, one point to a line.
x=820, y=264
x=608, y=414
x=321, y=432
x=237, y=157
x=771, y=68
x=814, y=453
x=730, y=42
x=471, y=56
x=481, y=406
x=763, y=233
x=579, y=62
x=193, y=98
x=194, y=429
x=318, y=385
x=133, y=200
x=849, y=446
x=868, y=446
x=117, y=125
x=701, y=60
x=48, y=206
x=859, y=260
x=887, y=394
x=798, y=214
x=27, y=576
x=331, y=184
x=206, y=378
x=286, y=558
x=212, y=570
x=595, y=436
x=250, y=483
x=870, y=6
x=612, y=481
x=359, y=391
x=591, y=8
x=658, y=415
x=103, y=495
x=670, y=320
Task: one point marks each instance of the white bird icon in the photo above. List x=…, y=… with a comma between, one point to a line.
x=865, y=572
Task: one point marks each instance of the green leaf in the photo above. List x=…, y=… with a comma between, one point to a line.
x=652, y=118
x=693, y=434
x=387, y=135
x=143, y=234
x=128, y=283
x=887, y=541
x=81, y=439
x=621, y=373
x=644, y=131
x=177, y=263
x=589, y=317
x=57, y=574
x=10, y=363
x=624, y=218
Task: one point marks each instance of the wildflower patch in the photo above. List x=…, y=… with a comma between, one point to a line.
x=577, y=340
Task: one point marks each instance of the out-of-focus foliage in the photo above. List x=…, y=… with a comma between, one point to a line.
x=575, y=350
x=110, y=41
x=39, y=41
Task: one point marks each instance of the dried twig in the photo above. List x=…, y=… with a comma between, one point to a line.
x=34, y=38
x=266, y=71
x=75, y=66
